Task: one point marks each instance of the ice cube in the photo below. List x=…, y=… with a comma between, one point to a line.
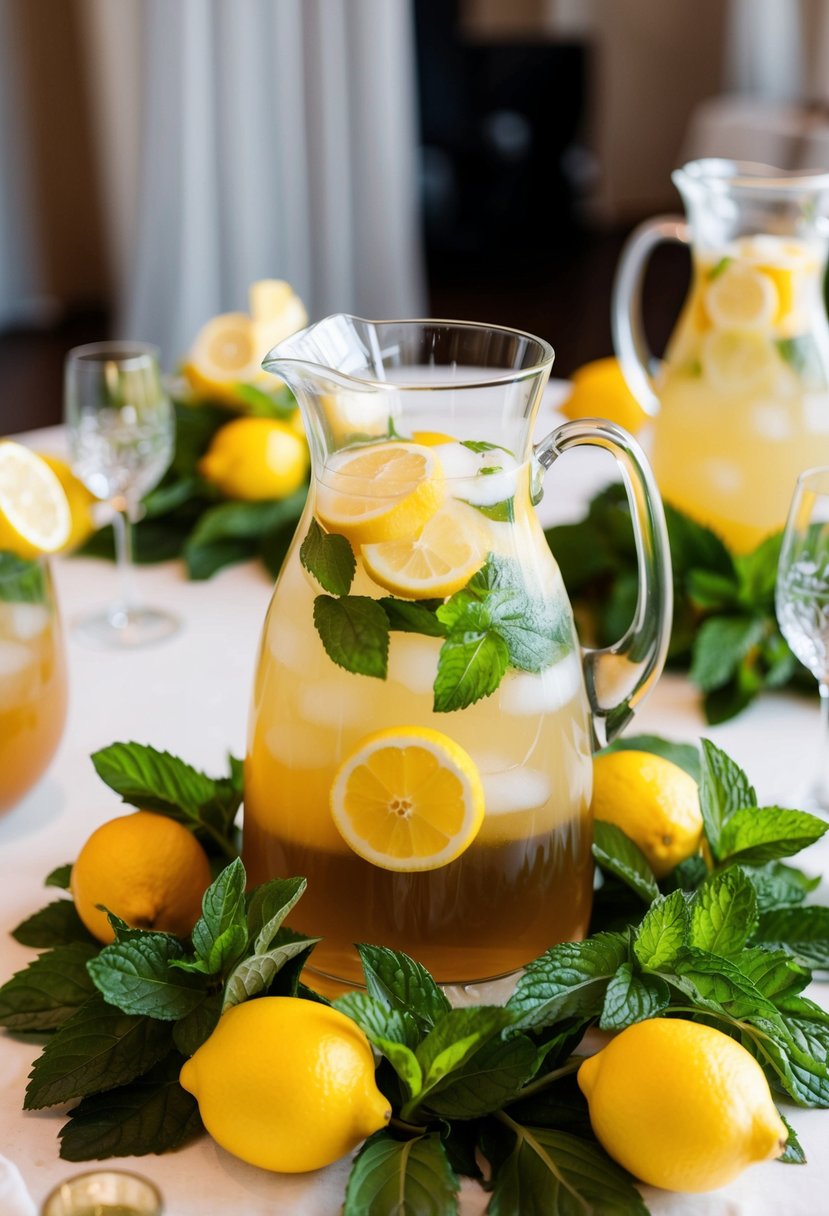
x=15, y=663
x=724, y=476
x=771, y=420
x=297, y=649
x=413, y=661
x=515, y=789
x=338, y=702
x=297, y=745
x=525, y=693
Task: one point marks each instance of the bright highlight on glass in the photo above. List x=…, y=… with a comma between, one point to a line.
x=104, y=1193
x=120, y=426
x=802, y=602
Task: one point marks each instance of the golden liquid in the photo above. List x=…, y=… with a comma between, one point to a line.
x=523, y=884
x=731, y=437
x=33, y=696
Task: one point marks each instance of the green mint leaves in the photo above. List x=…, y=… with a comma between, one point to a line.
x=492, y=624
x=21, y=581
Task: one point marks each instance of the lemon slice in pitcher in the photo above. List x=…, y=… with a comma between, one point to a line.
x=437, y=562
x=34, y=511
x=742, y=297
x=408, y=798
x=383, y=492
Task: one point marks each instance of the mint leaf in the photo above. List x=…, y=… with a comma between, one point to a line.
x=724, y=914
x=774, y=973
x=492, y=1076
x=804, y=931
x=98, y=1048
x=220, y=935
x=554, y=1172
x=191, y=1031
x=663, y=932
x=453, y=1040
x=255, y=975
x=61, y=877
x=234, y=521
x=355, y=633
x=777, y=884
x=758, y=834
x=570, y=980
x=404, y=1176
x=717, y=984
x=481, y=445
x=793, y=1153
x=136, y=977
x=329, y=558
x=58, y=924
x=469, y=669
x=413, y=616
x=21, y=580
x=720, y=647
x=633, y=998
x=399, y=982
x=684, y=755
x=152, y=1114
x=617, y=854
x=724, y=788
x=718, y=267
x=378, y=1021
x=271, y=902
x=46, y=993
x=535, y=634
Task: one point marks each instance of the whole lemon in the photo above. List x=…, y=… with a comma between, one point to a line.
x=680, y=1105
x=653, y=800
x=81, y=502
x=286, y=1084
x=256, y=458
x=146, y=868
x=601, y=391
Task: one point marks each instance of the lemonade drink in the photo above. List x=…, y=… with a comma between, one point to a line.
x=525, y=880
x=32, y=679
x=744, y=396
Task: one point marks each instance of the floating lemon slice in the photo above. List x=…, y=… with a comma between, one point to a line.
x=408, y=799
x=742, y=297
x=442, y=559
x=738, y=361
x=34, y=511
x=384, y=492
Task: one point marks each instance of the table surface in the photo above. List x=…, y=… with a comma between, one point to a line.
x=190, y=696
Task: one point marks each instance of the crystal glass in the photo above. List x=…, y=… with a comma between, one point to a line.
x=120, y=425
x=104, y=1193
x=802, y=601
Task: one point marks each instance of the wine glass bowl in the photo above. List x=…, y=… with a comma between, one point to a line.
x=120, y=425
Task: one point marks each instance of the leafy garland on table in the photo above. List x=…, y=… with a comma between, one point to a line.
x=730, y=943
x=724, y=632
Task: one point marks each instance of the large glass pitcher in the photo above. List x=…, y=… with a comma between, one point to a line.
x=423, y=719
x=741, y=401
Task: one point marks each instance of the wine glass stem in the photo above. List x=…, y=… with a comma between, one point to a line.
x=820, y=788
x=122, y=528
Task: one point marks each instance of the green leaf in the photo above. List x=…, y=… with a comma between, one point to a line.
x=716, y=983
x=724, y=788
x=774, y=973
x=617, y=853
x=152, y=1114
x=97, y=1049
x=570, y=980
x=198, y=1025
x=205, y=560
x=468, y=670
x=709, y=589
x=793, y=1153
x=454, y=1040
x=220, y=935
x=355, y=633
x=720, y=646
x=21, y=580
x=759, y=834
x=58, y=924
x=481, y=445
x=329, y=558
x=685, y=755
x=535, y=634
x=234, y=521
x=779, y=885
x=492, y=1076
x=413, y=616
x=254, y=975
x=724, y=914
x=61, y=877
x=280, y=403
x=633, y=998
x=399, y=982
x=408, y=1178
x=550, y=1172
x=804, y=931
x=378, y=1021
x=46, y=993
x=136, y=977
x=271, y=902
x=663, y=932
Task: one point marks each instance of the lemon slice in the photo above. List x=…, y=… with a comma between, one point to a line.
x=408, y=799
x=225, y=352
x=34, y=511
x=384, y=492
x=432, y=439
x=442, y=559
x=738, y=362
x=742, y=297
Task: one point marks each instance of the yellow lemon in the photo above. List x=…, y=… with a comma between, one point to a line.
x=146, y=868
x=256, y=458
x=81, y=502
x=438, y=561
x=286, y=1084
x=741, y=297
x=34, y=511
x=276, y=311
x=655, y=802
x=680, y=1105
x=226, y=352
x=385, y=491
x=408, y=798
x=601, y=391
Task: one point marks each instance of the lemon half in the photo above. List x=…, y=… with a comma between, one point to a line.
x=34, y=510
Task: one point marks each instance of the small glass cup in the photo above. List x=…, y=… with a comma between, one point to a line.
x=104, y=1193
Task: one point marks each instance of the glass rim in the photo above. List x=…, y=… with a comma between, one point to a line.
x=750, y=175
x=543, y=362
x=153, y=1193
x=112, y=350
x=814, y=472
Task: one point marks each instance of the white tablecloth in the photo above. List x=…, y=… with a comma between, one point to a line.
x=190, y=696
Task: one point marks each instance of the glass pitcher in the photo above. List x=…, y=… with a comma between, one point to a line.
x=419, y=633
x=741, y=401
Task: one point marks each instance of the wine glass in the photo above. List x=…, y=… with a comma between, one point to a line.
x=120, y=426
x=802, y=604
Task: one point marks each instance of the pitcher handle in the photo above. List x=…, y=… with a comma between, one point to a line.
x=619, y=677
x=629, y=339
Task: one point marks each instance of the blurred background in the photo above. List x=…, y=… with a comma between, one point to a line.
x=480, y=159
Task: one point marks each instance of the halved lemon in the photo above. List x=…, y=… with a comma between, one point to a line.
x=742, y=297
x=387, y=491
x=408, y=798
x=225, y=353
x=34, y=511
x=738, y=361
x=451, y=547
x=276, y=311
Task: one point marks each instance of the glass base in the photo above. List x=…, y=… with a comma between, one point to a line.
x=127, y=628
